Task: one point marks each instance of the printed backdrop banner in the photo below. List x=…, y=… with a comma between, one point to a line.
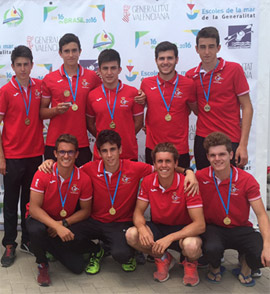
x=134, y=28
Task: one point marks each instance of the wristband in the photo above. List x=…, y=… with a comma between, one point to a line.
x=65, y=223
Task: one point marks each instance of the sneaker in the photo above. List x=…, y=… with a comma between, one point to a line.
x=93, y=266
x=50, y=257
x=150, y=258
x=256, y=273
x=8, y=256
x=163, y=267
x=43, y=278
x=26, y=248
x=140, y=258
x=191, y=277
x=130, y=266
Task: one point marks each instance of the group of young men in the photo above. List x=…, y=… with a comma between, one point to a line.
x=71, y=206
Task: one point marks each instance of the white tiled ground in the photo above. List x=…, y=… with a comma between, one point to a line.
x=21, y=278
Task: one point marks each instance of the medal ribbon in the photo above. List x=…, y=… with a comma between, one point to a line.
x=210, y=81
x=59, y=188
x=114, y=103
x=70, y=84
x=168, y=107
x=229, y=193
x=27, y=108
x=116, y=188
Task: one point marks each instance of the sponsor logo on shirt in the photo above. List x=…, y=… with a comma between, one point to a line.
x=175, y=198
x=98, y=99
x=59, y=81
x=53, y=181
x=153, y=88
x=99, y=175
x=123, y=102
x=206, y=182
x=125, y=179
x=16, y=94
x=153, y=190
x=85, y=84
x=74, y=189
x=36, y=183
x=218, y=78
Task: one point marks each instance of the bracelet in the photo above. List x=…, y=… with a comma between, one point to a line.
x=65, y=223
x=187, y=168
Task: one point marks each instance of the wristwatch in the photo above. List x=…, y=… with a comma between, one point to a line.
x=65, y=223
x=187, y=168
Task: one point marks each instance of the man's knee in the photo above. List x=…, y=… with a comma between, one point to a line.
x=132, y=236
x=191, y=247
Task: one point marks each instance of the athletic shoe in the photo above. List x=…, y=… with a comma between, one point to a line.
x=130, y=266
x=26, y=248
x=140, y=258
x=43, y=278
x=256, y=273
x=191, y=277
x=93, y=266
x=8, y=256
x=51, y=258
x=163, y=264
x=150, y=258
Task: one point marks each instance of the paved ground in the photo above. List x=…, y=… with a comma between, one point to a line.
x=21, y=278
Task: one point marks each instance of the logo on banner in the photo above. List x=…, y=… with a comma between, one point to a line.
x=91, y=64
x=43, y=43
x=132, y=75
x=48, y=68
x=193, y=13
x=47, y=10
x=152, y=42
x=13, y=17
x=6, y=49
x=159, y=12
x=103, y=41
x=239, y=36
x=247, y=67
x=193, y=31
x=7, y=77
x=101, y=8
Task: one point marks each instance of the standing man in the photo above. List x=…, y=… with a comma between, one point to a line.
x=228, y=193
x=21, y=146
x=222, y=90
x=170, y=97
x=177, y=220
x=53, y=223
x=66, y=89
x=112, y=106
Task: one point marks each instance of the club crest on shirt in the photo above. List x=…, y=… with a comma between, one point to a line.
x=234, y=190
x=123, y=102
x=74, y=189
x=37, y=94
x=178, y=93
x=85, y=84
x=175, y=198
x=125, y=179
x=218, y=78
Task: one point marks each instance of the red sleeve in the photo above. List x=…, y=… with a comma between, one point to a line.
x=240, y=82
x=89, y=109
x=46, y=93
x=38, y=183
x=87, y=188
x=3, y=102
x=252, y=189
x=143, y=194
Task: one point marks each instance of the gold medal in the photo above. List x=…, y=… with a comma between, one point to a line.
x=112, y=125
x=66, y=93
x=74, y=107
x=227, y=221
x=27, y=121
x=63, y=213
x=168, y=117
x=112, y=211
x=207, y=107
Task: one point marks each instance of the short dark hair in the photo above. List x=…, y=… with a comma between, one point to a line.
x=208, y=32
x=165, y=147
x=21, y=51
x=66, y=138
x=217, y=139
x=108, y=55
x=108, y=136
x=165, y=46
x=68, y=38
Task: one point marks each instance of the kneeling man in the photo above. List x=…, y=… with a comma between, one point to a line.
x=53, y=222
x=227, y=193
x=177, y=219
